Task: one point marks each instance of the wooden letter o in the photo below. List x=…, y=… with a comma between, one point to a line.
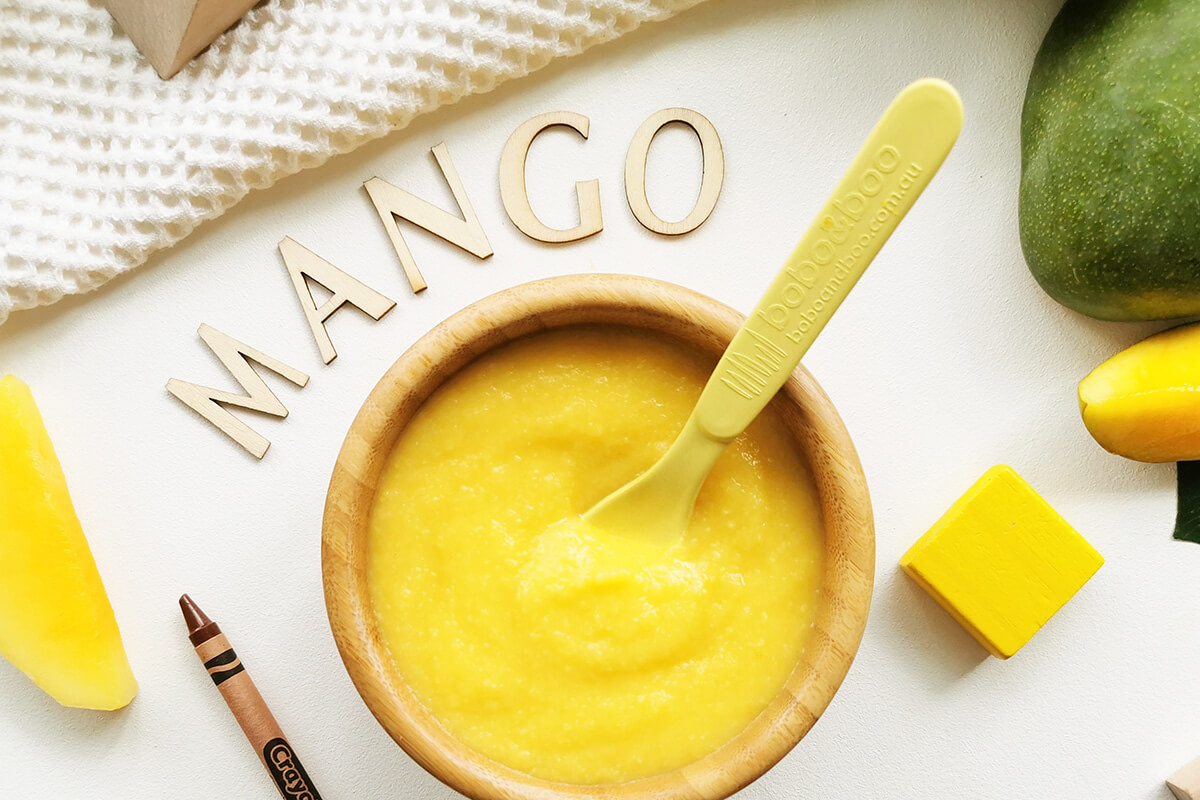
x=512, y=182
x=710, y=185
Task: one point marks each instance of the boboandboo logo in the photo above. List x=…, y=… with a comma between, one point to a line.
x=288, y=772
x=750, y=370
x=849, y=212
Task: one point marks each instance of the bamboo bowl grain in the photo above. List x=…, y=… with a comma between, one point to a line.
x=596, y=299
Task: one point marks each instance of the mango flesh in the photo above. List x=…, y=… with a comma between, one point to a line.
x=56, y=623
x=1110, y=159
x=1144, y=402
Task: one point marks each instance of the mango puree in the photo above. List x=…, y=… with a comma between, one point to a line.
x=546, y=646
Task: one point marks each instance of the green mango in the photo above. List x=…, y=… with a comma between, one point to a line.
x=1110, y=159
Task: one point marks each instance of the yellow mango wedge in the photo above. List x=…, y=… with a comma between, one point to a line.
x=56, y=624
x=1144, y=402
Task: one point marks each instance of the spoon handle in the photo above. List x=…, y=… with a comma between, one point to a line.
x=894, y=166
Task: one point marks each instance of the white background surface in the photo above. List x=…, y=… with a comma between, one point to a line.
x=946, y=359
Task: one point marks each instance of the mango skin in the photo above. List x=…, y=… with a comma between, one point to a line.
x=56, y=623
x=1110, y=157
x=1144, y=402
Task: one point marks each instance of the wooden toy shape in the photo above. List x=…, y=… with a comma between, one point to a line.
x=171, y=32
x=1185, y=782
x=1001, y=561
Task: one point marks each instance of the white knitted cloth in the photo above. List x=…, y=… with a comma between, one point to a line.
x=102, y=163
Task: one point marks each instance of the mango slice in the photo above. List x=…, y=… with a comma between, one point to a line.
x=56, y=624
x=1144, y=402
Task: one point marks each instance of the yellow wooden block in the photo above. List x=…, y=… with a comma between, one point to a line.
x=1001, y=561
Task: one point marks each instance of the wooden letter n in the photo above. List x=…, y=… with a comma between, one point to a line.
x=394, y=203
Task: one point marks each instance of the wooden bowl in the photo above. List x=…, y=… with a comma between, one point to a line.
x=637, y=303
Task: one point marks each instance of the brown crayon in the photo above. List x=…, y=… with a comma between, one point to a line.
x=247, y=705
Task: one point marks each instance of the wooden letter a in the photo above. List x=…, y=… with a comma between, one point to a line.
x=210, y=403
x=304, y=265
x=393, y=202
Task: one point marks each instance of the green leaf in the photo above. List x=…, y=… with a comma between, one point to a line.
x=1187, y=519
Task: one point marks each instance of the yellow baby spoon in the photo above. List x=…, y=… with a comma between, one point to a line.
x=900, y=157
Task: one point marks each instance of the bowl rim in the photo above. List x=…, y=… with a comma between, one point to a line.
x=537, y=306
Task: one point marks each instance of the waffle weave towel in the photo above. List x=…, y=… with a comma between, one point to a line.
x=102, y=163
